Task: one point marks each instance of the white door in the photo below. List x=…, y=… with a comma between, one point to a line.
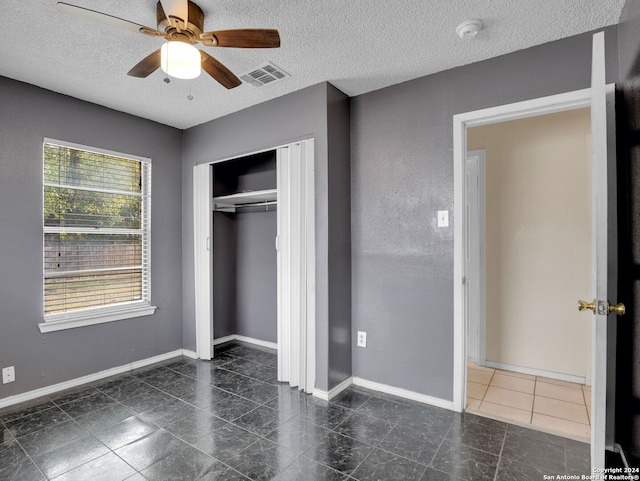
x=475, y=256
x=296, y=265
x=604, y=257
x=203, y=264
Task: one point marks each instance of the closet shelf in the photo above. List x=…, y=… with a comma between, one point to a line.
x=228, y=203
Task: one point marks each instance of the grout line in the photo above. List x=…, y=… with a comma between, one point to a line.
x=561, y=385
x=584, y=398
x=30, y=458
x=511, y=407
x=490, y=381
x=444, y=438
x=504, y=440
x=485, y=391
x=516, y=390
x=517, y=375
x=535, y=385
x=563, y=419
x=563, y=400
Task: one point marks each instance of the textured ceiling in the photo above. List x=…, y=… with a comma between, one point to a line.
x=357, y=45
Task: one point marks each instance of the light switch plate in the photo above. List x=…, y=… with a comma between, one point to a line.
x=443, y=218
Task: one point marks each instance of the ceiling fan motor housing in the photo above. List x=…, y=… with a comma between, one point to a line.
x=181, y=29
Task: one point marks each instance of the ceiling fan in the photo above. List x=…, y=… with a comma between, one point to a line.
x=181, y=23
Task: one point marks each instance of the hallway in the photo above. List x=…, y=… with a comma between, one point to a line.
x=558, y=407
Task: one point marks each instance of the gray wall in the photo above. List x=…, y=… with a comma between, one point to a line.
x=29, y=114
x=224, y=274
x=629, y=42
x=338, y=120
x=401, y=175
x=628, y=339
x=257, y=274
x=296, y=116
x=245, y=274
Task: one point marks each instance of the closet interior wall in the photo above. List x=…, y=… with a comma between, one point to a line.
x=244, y=254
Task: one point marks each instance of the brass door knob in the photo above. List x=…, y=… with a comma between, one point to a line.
x=618, y=309
x=584, y=305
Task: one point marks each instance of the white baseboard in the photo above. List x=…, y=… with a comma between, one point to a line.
x=190, y=354
x=328, y=395
x=536, y=372
x=404, y=393
x=385, y=388
x=250, y=340
x=54, y=388
x=225, y=339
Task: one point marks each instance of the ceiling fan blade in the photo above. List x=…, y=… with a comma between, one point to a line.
x=177, y=12
x=219, y=72
x=146, y=66
x=242, y=38
x=105, y=19
x=160, y=14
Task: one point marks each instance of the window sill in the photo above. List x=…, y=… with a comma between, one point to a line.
x=70, y=321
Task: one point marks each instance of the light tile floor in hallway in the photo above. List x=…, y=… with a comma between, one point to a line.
x=546, y=404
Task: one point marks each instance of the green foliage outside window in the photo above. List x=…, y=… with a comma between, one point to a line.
x=69, y=176
x=94, y=233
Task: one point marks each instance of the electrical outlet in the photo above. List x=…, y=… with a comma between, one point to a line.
x=362, y=339
x=8, y=374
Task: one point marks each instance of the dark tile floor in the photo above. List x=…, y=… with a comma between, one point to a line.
x=229, y=419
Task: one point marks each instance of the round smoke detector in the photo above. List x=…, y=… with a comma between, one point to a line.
x=468, y=29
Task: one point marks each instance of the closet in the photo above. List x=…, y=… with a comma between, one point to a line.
x=245, y=262
x=255, y=256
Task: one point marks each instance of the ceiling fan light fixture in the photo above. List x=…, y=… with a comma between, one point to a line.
x=180, y=60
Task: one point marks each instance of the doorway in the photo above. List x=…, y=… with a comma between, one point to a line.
x=533, y=367
x=521, y=110
x=601, y=99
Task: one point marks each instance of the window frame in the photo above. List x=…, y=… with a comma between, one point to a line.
x=114, y=312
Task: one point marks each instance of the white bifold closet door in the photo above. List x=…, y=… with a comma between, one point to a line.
x=296, y=265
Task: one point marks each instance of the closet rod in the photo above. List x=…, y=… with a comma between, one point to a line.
x=224, y=208
x=257, y=204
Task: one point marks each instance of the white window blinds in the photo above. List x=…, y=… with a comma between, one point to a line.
x=96, y=231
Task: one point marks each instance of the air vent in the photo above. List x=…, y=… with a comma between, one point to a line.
x=265, y=74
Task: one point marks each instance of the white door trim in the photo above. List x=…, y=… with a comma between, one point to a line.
x=519, y=110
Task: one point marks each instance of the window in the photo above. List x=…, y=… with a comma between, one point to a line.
x=96, y=237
